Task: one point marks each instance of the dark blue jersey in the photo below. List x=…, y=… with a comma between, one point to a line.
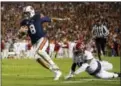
x=35, y=27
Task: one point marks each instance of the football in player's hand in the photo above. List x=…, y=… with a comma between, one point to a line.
x=21, y=34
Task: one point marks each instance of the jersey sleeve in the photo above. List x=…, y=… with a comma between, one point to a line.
x=45, y=19
x=106, y=31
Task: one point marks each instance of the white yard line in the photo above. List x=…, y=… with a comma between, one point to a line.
x=74, y=81
x=100, y=79
x=87, y=80
x=66, y=81
x=19, y=75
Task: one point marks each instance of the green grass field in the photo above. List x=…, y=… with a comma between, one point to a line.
x=26, y=72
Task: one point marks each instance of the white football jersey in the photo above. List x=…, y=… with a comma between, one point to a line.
x=82, y=57
x=88, y=55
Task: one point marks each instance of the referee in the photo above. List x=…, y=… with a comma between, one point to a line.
x=100, y=33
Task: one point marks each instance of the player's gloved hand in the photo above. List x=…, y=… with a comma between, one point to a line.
x=21, y=35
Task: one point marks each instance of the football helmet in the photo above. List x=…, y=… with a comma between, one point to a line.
x=28, y=12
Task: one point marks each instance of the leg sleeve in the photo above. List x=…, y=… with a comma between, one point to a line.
x=73, y=67
x=98, y=48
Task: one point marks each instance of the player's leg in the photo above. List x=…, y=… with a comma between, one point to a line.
x=106, y=65
x=51, y=50
x=47, y=60
x=73, y=66
x=71, y=73
x=39, y=59
x=106, y=75
x=98, y=48
x=56, y=54
x=103, y=44
x=42, y=62
x=46, y=57
x=5, y=53
x=52, y=66
x=66, y=52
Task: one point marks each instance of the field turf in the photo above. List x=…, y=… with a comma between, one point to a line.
x=26, y=72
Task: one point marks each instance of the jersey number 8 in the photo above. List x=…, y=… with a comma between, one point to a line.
x=32, y=29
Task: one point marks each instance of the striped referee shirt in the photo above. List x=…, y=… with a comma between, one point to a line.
x=100, y=31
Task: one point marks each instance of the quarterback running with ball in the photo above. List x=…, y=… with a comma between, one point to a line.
x=33, y=25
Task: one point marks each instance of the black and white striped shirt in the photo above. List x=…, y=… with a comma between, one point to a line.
x=100, y=31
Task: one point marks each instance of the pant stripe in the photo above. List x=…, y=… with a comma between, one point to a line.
x=42, y=44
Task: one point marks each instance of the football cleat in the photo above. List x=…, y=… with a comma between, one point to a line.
x=69, y=76
x=57, y=75
x=119, y=74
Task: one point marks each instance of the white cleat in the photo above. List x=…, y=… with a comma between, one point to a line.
x=69, y=76
x=57, y=75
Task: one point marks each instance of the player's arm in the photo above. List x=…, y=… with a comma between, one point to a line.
x=82, y=68
x=47, y=19
x=59, y=19
x=22, y=31
x=93, y=31
x=44, y=18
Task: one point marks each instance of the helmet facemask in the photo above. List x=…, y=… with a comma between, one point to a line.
x=26, y=15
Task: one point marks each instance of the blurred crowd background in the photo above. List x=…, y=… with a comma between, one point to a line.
x=81, y=17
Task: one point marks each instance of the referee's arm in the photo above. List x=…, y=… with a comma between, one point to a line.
x=106, y=31
x=93, y=31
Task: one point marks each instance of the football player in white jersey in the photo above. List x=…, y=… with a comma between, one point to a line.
x=92, y=66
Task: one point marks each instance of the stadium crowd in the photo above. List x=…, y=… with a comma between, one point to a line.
x=81, y=17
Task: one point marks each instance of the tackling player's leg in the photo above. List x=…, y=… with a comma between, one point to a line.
x=107, y=75
x=71, y=73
